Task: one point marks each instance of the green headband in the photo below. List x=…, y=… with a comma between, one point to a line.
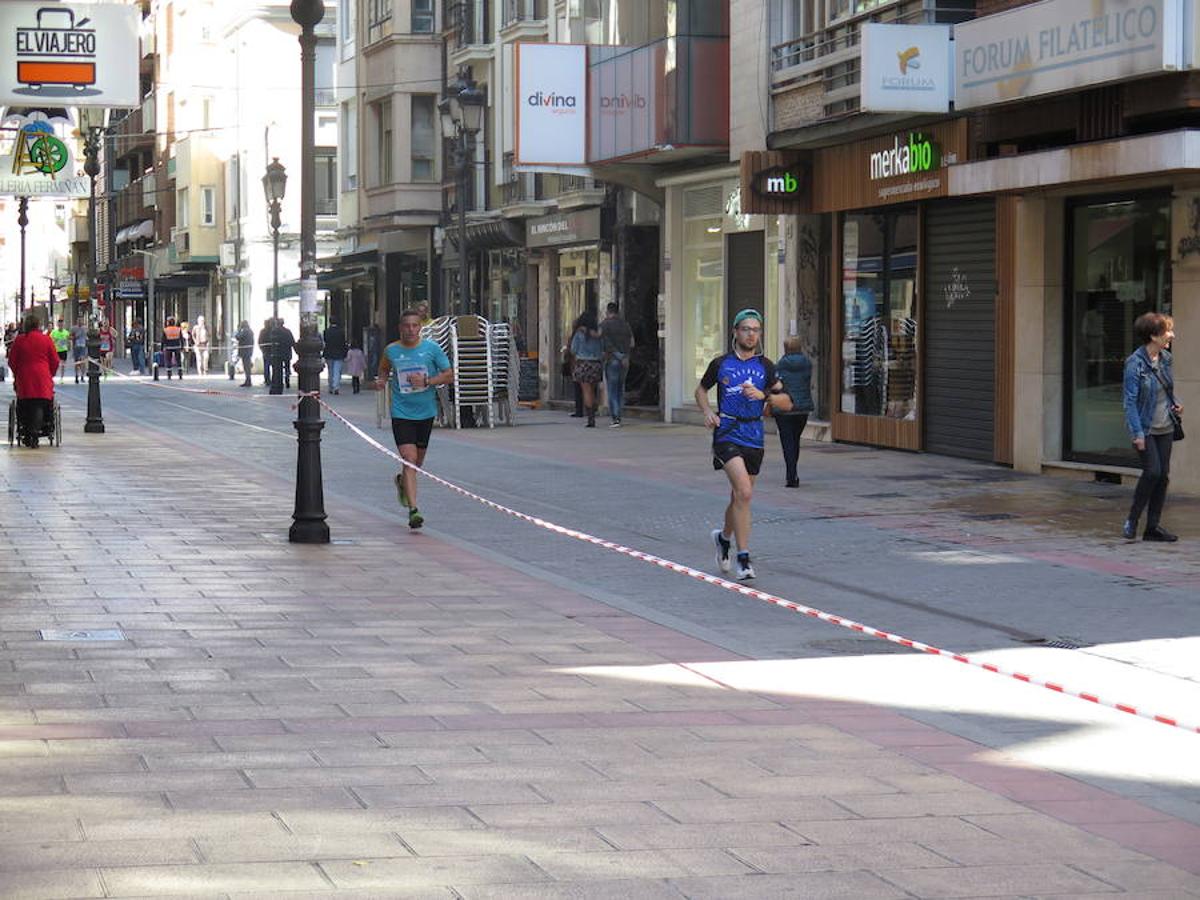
x=747, y=314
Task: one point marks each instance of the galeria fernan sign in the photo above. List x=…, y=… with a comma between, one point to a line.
x=551, y=105
x=69, y=54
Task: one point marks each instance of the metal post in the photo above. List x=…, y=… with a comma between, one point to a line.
x=91, y=168
x=464, y=291
x=22, y=221
x=95, y=417
x=276, y=332
x=308, y=517
x=148, y=335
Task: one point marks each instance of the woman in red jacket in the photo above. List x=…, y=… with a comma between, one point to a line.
x=34, y=361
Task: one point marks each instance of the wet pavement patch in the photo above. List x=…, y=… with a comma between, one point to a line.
x=94, y=634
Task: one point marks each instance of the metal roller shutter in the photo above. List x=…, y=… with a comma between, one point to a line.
x=960, y=328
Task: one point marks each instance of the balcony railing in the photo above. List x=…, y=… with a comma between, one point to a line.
x=825, y=65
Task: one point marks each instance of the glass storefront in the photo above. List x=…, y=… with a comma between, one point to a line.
x=879, y=319
x=703, y=289
x=1119, y=268
x=578, y=290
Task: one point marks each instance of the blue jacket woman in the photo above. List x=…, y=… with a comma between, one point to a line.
x=794, y=369
x=1150, y=413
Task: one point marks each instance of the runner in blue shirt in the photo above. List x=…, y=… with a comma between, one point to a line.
x=746, y=385
x=414, y=367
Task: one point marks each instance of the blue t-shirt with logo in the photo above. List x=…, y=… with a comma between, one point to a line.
x=409, y=402
x=741, y=417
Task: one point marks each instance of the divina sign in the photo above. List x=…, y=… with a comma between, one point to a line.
x=565, y=101
x=920, y=154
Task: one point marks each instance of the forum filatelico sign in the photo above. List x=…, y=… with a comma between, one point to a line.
x=68, y=54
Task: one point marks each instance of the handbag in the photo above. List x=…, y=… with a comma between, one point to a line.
x=1176, y=419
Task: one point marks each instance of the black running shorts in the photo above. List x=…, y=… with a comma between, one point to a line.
x=412, y=431
x=724, y=451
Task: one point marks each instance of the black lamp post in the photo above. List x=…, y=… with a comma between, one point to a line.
x=462, y=117
x=274, y=186
x=91, y=168
x=308, y=517
x=22, y=221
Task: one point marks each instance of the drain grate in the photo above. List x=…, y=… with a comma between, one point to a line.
x=97, y=634
x=1059, y=643
x=988, y=517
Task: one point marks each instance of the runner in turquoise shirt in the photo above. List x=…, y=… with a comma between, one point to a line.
x=413, y=367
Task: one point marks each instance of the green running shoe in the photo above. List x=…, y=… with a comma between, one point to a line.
x=415, y=519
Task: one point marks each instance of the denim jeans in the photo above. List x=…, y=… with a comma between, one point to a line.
x=1151, y=490
x=138, y=354
x=335, y=373
x=614, y=380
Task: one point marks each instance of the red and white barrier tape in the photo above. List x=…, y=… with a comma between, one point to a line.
x=755, y=594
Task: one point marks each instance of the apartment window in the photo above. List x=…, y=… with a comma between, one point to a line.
x=232, y=183
x=324, y=74
x=208, y=205
x=206, y=107
x=181, y=208
x=350, y=146
x=346, y=13
x=379, y=19
x=383, y=143
x=327, y=183
x=424, y=137
x=422, y=16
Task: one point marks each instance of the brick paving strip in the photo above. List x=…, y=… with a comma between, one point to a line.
x=397, y=717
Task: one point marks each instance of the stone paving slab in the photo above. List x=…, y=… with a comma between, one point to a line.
x=331, y=721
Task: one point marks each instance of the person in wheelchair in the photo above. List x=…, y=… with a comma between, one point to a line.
x=34, y=361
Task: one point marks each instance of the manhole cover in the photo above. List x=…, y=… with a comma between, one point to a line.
x=95, y=634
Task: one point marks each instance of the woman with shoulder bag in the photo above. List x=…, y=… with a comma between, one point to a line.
x=1154, y=420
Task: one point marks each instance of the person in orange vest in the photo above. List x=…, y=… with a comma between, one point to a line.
x=172, y=347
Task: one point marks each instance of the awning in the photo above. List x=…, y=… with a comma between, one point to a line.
x=143, y=229
x=357, y=258
x=341, y=276
x=181, y=281
x=493, y=235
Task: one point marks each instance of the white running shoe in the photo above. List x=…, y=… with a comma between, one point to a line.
x=745, y=571
x=724, y=561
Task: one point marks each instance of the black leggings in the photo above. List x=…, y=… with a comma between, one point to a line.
x=1152, y=486
x=790, y=427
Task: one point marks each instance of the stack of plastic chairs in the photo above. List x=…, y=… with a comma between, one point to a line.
x=483, y=369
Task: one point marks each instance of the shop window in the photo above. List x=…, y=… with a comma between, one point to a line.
x=879, y=320
x=1119, y=268
x=706, y=332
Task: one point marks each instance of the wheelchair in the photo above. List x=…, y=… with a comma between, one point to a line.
x=51, y=427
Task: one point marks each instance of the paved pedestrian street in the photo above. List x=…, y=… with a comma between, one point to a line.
x=190, y=706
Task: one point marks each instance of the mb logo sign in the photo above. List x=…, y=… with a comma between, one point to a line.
x=780, y=182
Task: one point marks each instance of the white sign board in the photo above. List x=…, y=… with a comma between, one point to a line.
x=906, y=68
x=551, y=104
x=36, y=159
x=1061, y=45
x=69, y=54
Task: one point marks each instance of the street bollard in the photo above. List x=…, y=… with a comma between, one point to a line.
x=95, y=418
x=308, y=517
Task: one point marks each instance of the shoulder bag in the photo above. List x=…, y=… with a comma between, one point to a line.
x=1176, y=419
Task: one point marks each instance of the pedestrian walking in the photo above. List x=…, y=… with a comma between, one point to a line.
x=79, y=339
x=34, y=361
x=244, y=337
x=61, y=337
x=201, y=340
x=413, y=366
x=172, y=347
x=616, y=338
x=335, y=354
x=746, y=384
x=795, y=372
x=568, y=370
x=1155, y=421
x=135, y=340
x=587, y=369
x=356, y=367
x=265, y=349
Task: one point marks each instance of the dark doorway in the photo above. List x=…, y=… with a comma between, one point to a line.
x=745, y=272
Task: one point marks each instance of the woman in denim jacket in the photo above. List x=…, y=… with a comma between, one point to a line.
x=1148, y=416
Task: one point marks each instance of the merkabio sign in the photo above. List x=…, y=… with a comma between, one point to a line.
x=919, y=154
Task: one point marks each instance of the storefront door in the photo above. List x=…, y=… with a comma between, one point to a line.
x=1119, y=266
x=578, y=271
x=959, y=284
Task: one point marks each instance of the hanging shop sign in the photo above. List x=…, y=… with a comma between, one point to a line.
x=906, y=68
x=72, y=54
x=36, y=159
x=1062, y=45
x=776, y=182
x=551, y=105
x=581, y=227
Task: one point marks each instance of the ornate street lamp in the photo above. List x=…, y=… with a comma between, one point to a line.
x=462, y=116
x=308, y=517
x=91, y=168
x=275, y=186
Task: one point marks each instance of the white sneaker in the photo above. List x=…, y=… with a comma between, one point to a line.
x=724, y=562
x=745, y=571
